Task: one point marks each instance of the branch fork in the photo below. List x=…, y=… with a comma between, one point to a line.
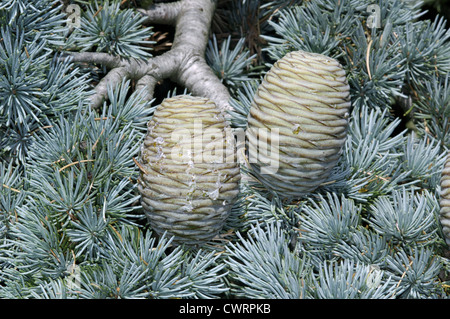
x=184, y=63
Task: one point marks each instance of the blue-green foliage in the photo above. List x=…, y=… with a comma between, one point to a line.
x=104, y=27
x=232, y=66
x=262, y=266
x=433, y=109
x=34, y=83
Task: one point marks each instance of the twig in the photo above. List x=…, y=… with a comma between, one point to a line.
x=115, y=230
x=140, y=166
x=74, y=163
x=13, y=189
x=103, y=118
x=402, y=276
x=95, y=144
x=386, y=179
x=100, y=8
x=367, y=59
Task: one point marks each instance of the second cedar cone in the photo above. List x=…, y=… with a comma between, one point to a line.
x=297, y=123
x=189, y=174
x=445, y=200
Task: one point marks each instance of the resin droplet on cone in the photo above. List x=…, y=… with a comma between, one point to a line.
x=189, y=176
x=445, y=200
x=297, y=123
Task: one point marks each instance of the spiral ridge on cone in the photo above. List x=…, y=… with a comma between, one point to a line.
x=189, y=177
x=297, y=123
x=445, y=200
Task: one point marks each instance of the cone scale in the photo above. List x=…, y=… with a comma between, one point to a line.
x=189, y=174
x=302, y=106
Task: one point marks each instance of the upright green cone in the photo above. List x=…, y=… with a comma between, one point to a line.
x=189, y=173
x=297, y=123
x=445, y=200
